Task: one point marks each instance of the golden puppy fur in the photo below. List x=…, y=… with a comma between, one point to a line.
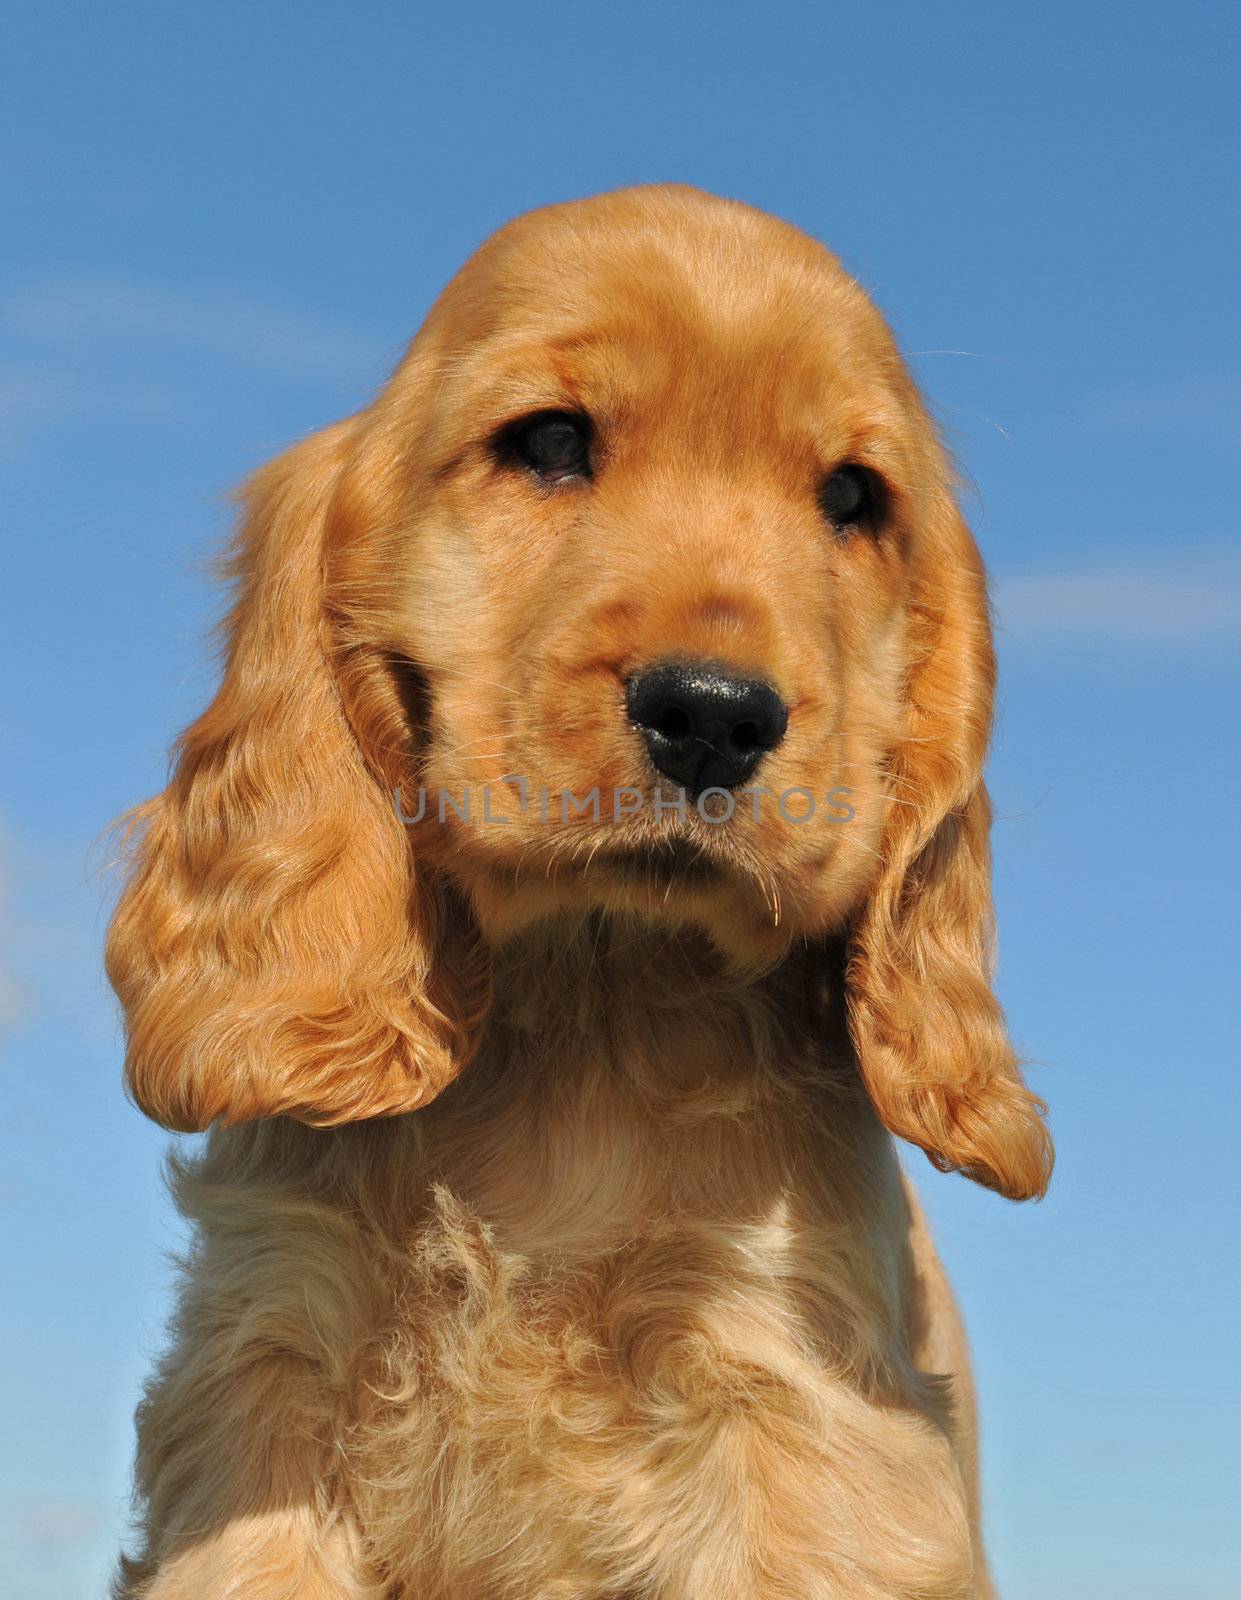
x=550, y=1238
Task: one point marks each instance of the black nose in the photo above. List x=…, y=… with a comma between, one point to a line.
x=705, y=729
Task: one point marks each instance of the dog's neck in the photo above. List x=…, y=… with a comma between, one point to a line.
x=627, y=1073
x=679, y=1030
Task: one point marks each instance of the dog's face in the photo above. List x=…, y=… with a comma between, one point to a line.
x=643, y=584
x=669, y=489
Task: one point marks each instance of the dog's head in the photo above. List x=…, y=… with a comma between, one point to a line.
x=640, y=590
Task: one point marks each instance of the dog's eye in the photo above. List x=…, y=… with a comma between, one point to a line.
x=555, y=445
x=850, y=496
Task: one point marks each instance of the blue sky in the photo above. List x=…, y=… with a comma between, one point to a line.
x=223, y=222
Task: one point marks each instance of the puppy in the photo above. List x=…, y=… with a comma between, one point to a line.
x=580, y=874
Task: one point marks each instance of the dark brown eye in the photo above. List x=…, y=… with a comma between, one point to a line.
x=849, y=497
x=554, y=445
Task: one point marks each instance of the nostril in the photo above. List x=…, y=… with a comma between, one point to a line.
x=674, y=722
x=747, y=736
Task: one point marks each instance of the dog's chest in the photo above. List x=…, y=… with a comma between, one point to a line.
x=614, y=1411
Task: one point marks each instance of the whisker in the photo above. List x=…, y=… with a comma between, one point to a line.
x=974, y=355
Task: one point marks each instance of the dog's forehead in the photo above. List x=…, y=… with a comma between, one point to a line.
x=663, y=291
x=662, y=256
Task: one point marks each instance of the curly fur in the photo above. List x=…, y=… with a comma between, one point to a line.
x=550, y=1242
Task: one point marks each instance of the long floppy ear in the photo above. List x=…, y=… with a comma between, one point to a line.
x=928, y=1031
x=275, y=950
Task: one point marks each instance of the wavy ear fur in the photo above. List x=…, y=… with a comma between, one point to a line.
x=275, y=950
x=927, y=1028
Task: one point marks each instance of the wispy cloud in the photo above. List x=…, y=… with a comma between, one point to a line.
x=246, y=330
x=60, y=1522
x=12, y=996
x=101, y=348
x=57, y=1547
x=1194, y=595
x=54, y=896
x=12, y=1000
x=34, y=397
x=1209, y=409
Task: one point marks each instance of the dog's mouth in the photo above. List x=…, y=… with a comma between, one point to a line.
x=662, y=864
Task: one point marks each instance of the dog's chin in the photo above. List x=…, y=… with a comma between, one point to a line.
x=666, y=885
x=664, y=865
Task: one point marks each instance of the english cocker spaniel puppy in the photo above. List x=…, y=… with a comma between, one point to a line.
x=580, y=874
